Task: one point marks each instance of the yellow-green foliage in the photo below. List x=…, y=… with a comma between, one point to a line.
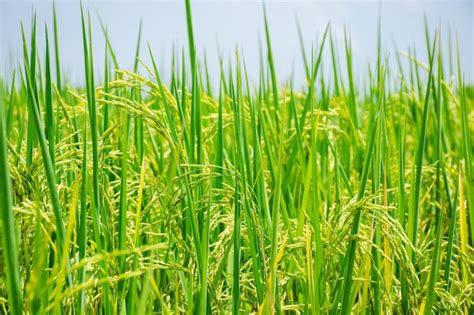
x=142, y=196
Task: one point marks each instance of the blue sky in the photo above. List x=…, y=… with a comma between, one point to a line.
x=232, y=24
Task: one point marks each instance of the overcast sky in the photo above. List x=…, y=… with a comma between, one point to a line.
x=239, y=24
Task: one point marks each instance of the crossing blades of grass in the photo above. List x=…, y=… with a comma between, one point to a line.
x=9, y=233
x=434, y=270
x=350, y=255
x=48, y=164
x=414, y=211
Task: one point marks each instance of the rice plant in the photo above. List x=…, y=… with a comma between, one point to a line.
x=133, y=195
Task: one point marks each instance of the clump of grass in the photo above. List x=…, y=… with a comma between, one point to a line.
x=137, y=195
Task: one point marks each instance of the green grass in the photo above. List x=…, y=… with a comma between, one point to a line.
x=135, y=195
